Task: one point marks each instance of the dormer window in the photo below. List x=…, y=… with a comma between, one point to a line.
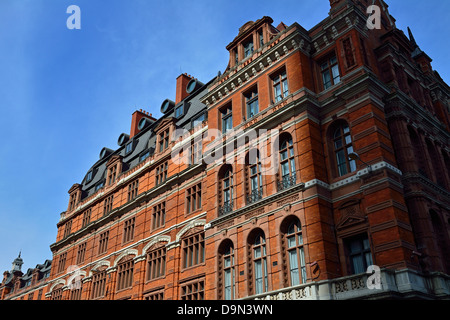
x=164, y=140
x=129, y=147
x=99, y=185
x=89, y=176
x=261, y=38
x=179, y=111
x=112, y=175
x=248, y=48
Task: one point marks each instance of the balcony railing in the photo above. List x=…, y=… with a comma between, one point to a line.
x=227, y=207
x=286, y=182
x=255, y=195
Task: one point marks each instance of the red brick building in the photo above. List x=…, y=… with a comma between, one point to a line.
x=315, y=155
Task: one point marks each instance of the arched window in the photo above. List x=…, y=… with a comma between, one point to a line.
x=227, y=276
x=435, y=161
x=125, y=273
x=441, y=240
x=57, y=293
x=286, y=162
x=156, y=262
x=258, y=264
x=342, y=147
x=418, y=151
x=99, y=283
x=294, y=252
x=254, y=183
x=75, y=287
x=225, y=189
x=193, y=246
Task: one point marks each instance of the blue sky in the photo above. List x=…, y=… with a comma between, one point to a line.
x=66, y=94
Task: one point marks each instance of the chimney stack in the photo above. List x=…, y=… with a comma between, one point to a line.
x=182, y=82
x=136, y=117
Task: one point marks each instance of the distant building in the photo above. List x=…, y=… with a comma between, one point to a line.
x=316, y=166
x=29, y=286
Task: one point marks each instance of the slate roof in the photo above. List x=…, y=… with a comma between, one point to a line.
x=145, y=140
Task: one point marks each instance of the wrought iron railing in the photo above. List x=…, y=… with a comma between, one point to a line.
x=226, y=208
x=286, y=182
x=255, y=195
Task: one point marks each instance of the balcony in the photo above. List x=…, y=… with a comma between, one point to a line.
x=254, y=196
x=286, y=182
x=227, y=207
x=388, y=284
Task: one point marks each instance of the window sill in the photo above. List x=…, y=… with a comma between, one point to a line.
x=183, y=269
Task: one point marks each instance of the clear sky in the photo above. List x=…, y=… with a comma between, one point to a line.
x=66, y=94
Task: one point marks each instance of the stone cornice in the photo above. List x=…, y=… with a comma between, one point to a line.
x=280, y=47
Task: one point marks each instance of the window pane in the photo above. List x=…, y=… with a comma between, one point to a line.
x=340, y=157
x=277, y=89
x=257, y=252
x=336, y=78
x=293, y=264
x=285, y=88
x=326, y=79
x=358, y=265
x=292, y=166
x=291, y=242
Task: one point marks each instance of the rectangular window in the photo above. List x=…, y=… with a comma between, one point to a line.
x=103, y=243
x=98, y=284
x=199, y=120
x=156, y=295
x=108, y=204
x=193, y=291
x=62, y=262
x=261, y=38
x=86, y=217
x=164, y=140
x=248, y=48
x=128, y=230
x=359, y=254
x=89, y=176
x=159, y=215
x=251, y=102
x=67, y=228
x=227, y=118
x=144, y=156
x=99, y=185
x=195, y=152
x=129, y=147
x=179, y=111
x=194, y=198
x=73, y=201
x=81, y=252
x=330, y=72
x=125, y=275
x=280, y=86
x=194, y=250
x=112, y=175
x=156, y=263
x=133, y=190
x=161, y=173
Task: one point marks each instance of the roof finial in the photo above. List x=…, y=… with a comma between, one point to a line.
x=411, y=38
